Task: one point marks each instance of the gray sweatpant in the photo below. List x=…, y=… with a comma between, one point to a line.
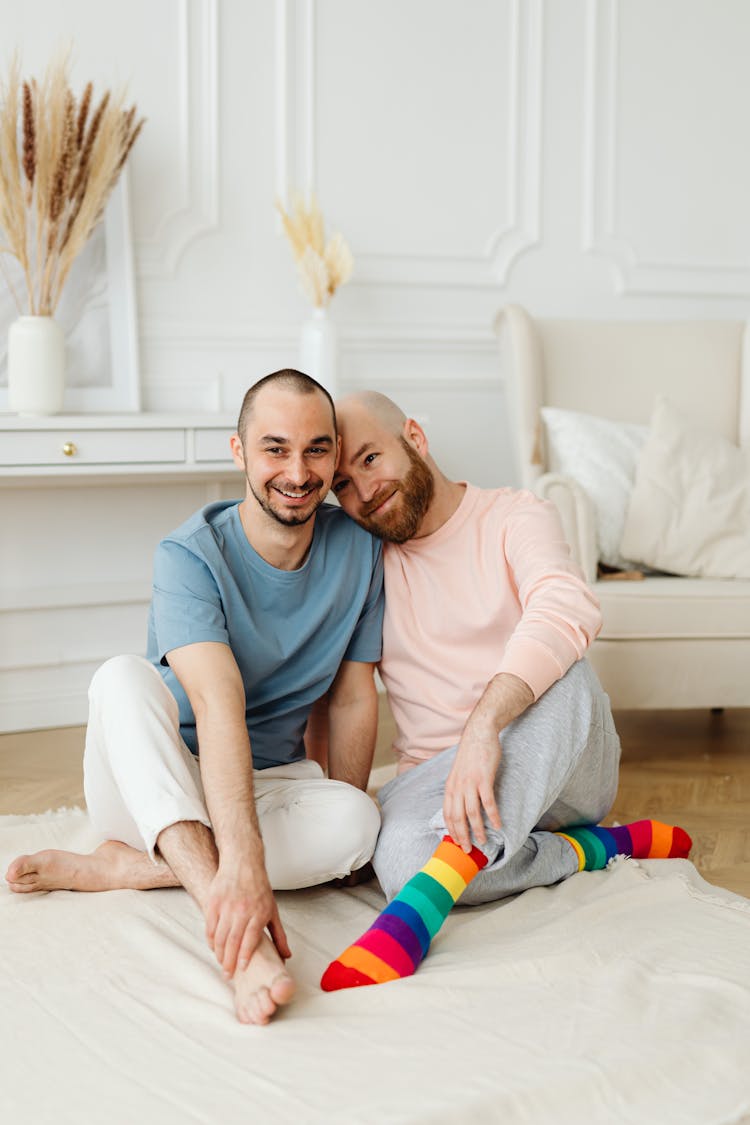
x=558, y=768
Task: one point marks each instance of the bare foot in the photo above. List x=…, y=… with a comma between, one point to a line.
x=262, y=986
x=113, y=866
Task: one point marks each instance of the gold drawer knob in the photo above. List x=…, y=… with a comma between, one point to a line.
x=70, y=449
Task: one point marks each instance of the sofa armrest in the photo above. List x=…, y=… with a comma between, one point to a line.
x=577, y=516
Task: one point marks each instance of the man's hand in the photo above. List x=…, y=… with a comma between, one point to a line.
x=470, y=788
x=240, y=907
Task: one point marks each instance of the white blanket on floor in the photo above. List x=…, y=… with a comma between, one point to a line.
x=618, y=996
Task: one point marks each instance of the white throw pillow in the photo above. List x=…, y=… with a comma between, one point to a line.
x=690, y=508
x=600, y=456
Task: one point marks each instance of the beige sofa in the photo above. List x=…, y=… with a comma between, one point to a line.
x=666, y=642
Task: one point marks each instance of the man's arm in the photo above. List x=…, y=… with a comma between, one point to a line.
x=470, y=788
x=560, y=617
x=560, y=614
x=353, y=723
x=241, y=902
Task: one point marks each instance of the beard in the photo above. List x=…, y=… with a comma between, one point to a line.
x=288, y=518
x=403, y=520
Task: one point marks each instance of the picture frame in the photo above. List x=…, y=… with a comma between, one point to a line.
x=97, y=311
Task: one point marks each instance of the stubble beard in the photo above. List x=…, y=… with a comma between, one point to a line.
x=286, y=519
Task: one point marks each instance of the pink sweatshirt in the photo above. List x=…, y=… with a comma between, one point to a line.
x=492, y=590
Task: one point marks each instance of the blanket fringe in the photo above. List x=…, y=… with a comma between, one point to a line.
x=50, y=814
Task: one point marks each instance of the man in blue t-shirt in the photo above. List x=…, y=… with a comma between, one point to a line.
x=195, y=770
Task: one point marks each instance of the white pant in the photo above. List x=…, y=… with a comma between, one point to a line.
x=140, y=777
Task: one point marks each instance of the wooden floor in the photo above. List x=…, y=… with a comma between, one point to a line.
x=684, y=767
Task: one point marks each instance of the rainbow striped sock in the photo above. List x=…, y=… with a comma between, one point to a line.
x=643, y=839
x=398, y=940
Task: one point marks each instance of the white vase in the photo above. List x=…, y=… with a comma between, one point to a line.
x=319, y=350
x=36, y=365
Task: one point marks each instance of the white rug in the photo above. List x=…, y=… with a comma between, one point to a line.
x=619, y=996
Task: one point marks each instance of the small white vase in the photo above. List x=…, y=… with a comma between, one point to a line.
x=36, y=365
x=319, y=350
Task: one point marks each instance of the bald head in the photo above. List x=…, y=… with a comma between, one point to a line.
x=381, y=409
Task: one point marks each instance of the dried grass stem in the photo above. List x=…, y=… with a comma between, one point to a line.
x=55, y=184
x=323, y=267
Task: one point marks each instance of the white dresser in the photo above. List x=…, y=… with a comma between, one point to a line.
x=69, y=448
x=84, y=499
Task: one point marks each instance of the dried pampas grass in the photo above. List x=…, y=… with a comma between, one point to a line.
x=323, y=266
x=59, y=161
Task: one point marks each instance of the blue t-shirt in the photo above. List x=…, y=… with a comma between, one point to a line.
x=288, y=630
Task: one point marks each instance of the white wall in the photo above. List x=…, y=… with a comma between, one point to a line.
x=585, y=157
x=577, y=157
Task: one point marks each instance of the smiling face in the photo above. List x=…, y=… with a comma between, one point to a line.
x=288, y=453
x=382, y=481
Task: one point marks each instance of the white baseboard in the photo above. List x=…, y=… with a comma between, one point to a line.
x=40, y=698
x=44, y=711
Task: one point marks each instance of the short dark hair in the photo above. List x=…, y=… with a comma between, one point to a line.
x=290, y=380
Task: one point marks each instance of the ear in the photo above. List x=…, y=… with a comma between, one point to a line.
x=237, y=453
x=415, y=435
x=338, y=453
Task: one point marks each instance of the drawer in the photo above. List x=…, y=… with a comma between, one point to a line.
x=213, y=444
x=92, y=447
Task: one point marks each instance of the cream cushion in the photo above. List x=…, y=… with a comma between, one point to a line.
x=689, y=511
x=601, y=456
x=663, y=606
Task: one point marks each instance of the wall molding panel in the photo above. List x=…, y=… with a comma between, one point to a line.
x=295, y=96
x=255, y=337
x=634, y=273
x=57, y=650
x=516, y=232
x=209, y=367
x=158, y=254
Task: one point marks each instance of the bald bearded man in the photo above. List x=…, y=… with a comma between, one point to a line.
x=505, y=737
